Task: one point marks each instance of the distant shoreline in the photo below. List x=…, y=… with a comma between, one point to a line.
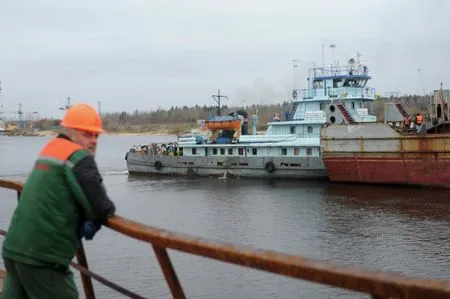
x=46, y=133
x=133, y=130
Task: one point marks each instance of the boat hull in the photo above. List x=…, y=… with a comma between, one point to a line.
x=377, y=154
x=431, y=171
x=246, y=167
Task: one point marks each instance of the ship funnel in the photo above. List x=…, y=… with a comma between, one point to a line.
x=254, y=123
x=244, y=127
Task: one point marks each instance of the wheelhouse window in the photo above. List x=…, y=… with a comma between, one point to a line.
x=230, y=151
x=241, y=151
x=292, y=129
x=317, y=84
x=254, y=151
x=194, y=151
x=337, y=83
x=284, y=151
x=310, y=129
x=322, y=106
x=214, y=151
x=296, y=151
x=309, y=151
x=222, y=151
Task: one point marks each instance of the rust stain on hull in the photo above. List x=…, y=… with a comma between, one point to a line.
x=424, y=144
x=378, y=154
x=421, y=169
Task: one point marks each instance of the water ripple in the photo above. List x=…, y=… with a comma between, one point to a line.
x=394, y=229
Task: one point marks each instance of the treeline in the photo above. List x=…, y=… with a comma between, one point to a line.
x=179, y=119
x=189, y=115
x=186, y=115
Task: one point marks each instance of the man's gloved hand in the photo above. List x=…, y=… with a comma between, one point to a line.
x=88, y=229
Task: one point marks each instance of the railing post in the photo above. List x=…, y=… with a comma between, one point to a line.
x=86, y=280
x=169, y=272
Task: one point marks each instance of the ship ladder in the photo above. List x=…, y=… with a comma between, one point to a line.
x=346, y=114
x=401, y=109
x=292, y=112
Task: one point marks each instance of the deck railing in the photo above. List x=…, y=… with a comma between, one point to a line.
x=377, y=284
x=338, y=93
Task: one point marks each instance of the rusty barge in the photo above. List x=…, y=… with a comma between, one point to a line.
x=390, y=152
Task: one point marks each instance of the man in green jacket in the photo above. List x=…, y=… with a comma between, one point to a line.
x=63, y=193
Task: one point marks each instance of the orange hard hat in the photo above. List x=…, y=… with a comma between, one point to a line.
x=82, y=117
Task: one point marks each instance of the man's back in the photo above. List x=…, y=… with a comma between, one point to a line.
x=45, y=224
x=63, y=195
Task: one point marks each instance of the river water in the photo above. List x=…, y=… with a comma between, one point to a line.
x=392, y=229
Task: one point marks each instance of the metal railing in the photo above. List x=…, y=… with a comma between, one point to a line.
x=338, y=93
x=377, y=284
x=335, y=70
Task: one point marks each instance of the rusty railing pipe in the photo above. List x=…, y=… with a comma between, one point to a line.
x=378, y=284
x=381, y=284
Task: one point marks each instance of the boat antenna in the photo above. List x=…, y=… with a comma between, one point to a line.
x=358, y=59
x=421, y=80
x=20, y=116
x=99, y=103
x=294, y=66
x=216, y=97
x=67, y=106
x=423, y=89
x=332, y=47
x=323, y=56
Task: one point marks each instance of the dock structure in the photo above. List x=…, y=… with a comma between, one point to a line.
x=377, y=284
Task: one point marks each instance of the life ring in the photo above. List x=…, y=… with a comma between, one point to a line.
x=269, y=166
x=158, y=164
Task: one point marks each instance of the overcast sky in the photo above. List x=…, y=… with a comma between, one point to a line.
x=148, y=54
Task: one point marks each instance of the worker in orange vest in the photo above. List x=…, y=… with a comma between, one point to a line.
x=419, y=121
x=63, y=200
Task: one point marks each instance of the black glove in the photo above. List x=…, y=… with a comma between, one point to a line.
x=88, y=229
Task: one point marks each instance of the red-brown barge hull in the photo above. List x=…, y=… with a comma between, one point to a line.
x=377, y=153
x=423, y=170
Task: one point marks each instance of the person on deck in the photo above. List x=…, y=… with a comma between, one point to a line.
x=63, y=200
x=419, y=121
x=407, y=122
x=276, y=117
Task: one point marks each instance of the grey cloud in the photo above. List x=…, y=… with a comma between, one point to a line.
x=149, y=54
